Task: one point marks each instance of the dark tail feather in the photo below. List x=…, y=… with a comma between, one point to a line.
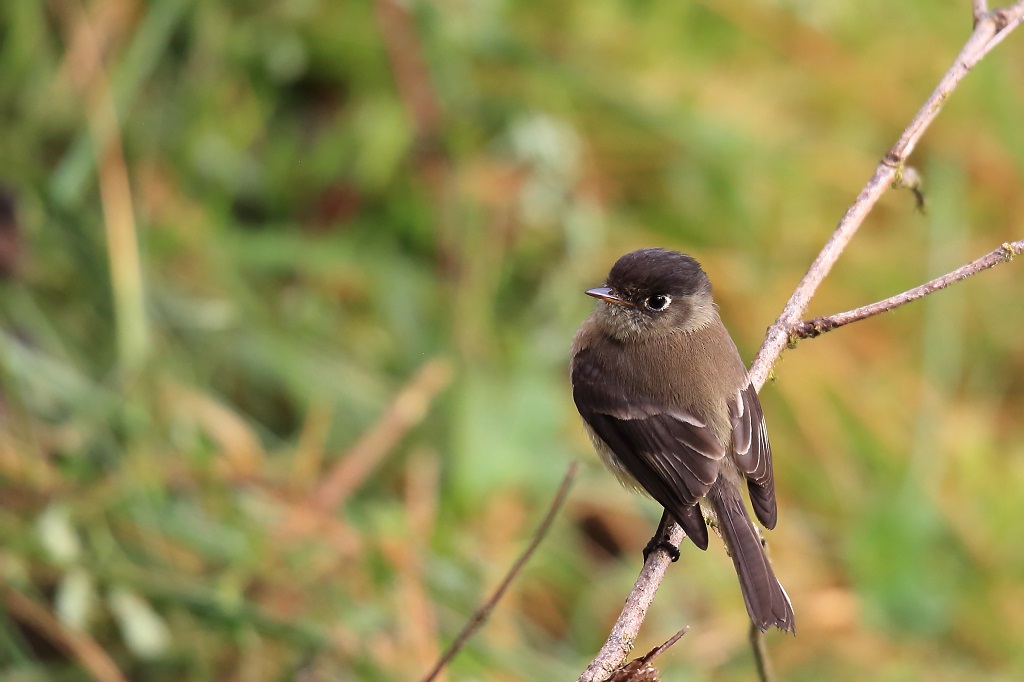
x=767, y=603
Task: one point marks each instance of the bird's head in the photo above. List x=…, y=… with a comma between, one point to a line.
x=651, y=293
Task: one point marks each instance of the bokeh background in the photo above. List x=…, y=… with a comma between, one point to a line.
x=288, y=290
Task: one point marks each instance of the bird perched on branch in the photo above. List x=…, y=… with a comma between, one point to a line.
x=668, y=405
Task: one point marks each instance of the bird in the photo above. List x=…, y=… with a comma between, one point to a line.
x=669, y=407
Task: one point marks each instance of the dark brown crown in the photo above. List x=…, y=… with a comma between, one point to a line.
x=658, y=271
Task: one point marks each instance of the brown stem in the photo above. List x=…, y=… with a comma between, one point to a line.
x=409, y=66
x=809, y=329
x=485, y=610
x=761, y=659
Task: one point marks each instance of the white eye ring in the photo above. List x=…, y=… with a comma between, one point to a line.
x=657, y=302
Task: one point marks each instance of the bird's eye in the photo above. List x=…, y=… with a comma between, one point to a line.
x=658, y=302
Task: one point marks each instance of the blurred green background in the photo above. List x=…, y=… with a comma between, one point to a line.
x=288, y=290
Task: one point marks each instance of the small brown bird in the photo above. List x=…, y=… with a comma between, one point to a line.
x=670, y=408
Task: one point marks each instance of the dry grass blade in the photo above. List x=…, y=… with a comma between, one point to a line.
x=406, y=411
x=412, y=77
x=90, y=77
x=83, y=648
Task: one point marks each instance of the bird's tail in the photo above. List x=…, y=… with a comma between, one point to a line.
x=767, y=603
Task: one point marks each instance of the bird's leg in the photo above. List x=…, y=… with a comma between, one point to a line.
x=661, y=541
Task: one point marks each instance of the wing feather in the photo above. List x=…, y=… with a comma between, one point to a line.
x=753, y=453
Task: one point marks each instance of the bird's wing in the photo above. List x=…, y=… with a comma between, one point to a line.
x=753, y=453
x=672, y=454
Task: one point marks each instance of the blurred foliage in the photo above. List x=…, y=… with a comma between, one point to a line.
x=288, y=290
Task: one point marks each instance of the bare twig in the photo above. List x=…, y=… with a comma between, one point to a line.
x=624, y=632
x=979, y=8
x=988, y=33
x=761, y=659
x=990, y=29
x=642, y=669
x=819, y=325
x=485, y=610
x=417, y=629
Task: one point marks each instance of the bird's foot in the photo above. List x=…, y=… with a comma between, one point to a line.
x=658, y=542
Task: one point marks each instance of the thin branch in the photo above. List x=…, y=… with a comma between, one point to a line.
x=990, y=29
x=620, y=642
x=642, y=669
x=979, y=8
x=761, y=658
x=485, y=610
x=662, y=648
x=810, y=329
x=1006, y=20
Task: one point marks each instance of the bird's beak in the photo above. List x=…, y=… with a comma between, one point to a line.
x=607, y=294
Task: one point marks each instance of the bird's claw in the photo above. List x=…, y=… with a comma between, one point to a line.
x=657, y=543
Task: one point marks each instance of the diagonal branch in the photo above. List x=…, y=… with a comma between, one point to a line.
x=485, y=610
x=988, y=32
x=620, y=642
x=990, y=28
x=810, y=329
